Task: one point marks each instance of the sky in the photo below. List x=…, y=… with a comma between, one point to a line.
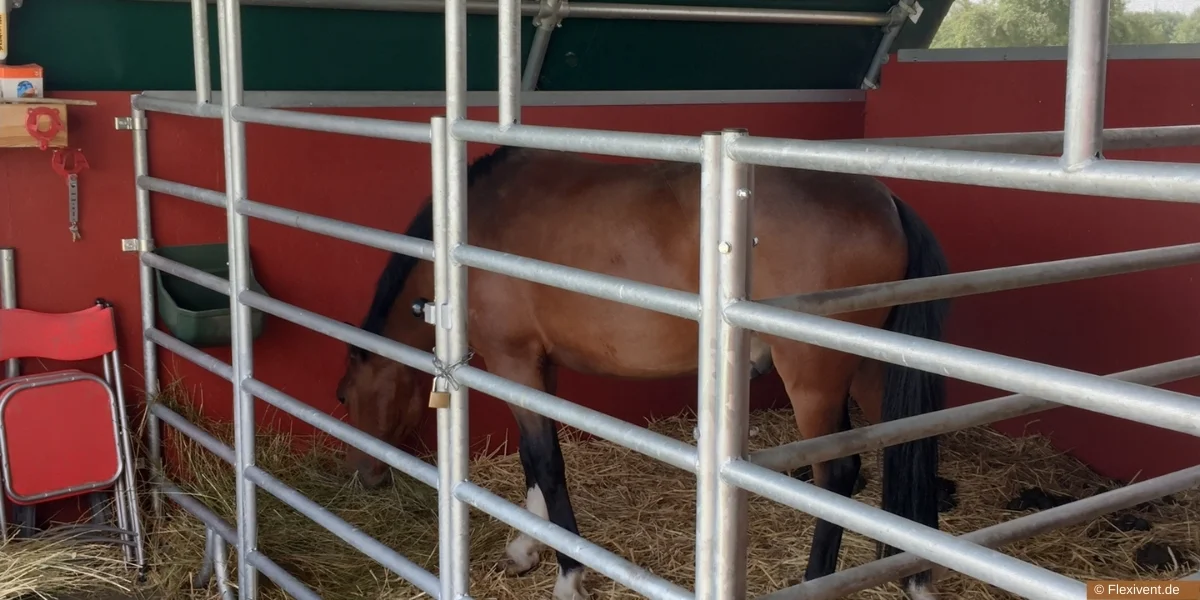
x=1184, y=6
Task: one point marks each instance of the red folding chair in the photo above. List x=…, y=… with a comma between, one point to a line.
x=65, y=433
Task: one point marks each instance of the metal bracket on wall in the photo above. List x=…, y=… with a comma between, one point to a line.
x=131, y=124
x=136, y=245
x=549, y=17
x=909, y=10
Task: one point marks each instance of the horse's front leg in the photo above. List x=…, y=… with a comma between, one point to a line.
x=545, y=478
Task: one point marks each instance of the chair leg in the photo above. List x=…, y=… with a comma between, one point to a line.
x=26, y=518
x=99, y=507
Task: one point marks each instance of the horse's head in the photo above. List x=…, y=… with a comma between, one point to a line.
x=384, y=400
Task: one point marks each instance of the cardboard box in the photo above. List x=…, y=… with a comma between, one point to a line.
x=20, y=81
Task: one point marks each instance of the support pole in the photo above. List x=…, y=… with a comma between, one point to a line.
x=732, y=373
x=509, y=20
x=708, y=402
x=450, y=292
x=549, y=16
x=229, y=22
x=1087, y=58
x=200, y=52
x=146, y=288
x=8, y=299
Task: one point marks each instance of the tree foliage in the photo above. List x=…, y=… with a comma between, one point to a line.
x=1032, y=23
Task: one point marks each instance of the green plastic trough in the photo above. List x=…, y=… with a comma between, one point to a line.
x=193, y=313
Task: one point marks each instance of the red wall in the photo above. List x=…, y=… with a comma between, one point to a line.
x=371, y=182
x=1098, y=326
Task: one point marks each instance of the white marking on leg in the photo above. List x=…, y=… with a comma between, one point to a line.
x=921, y=591
x=524, y=552
x=570, y=586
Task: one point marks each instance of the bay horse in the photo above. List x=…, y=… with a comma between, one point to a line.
x=641, y=221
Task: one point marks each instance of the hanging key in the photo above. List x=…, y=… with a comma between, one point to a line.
x=69, y=164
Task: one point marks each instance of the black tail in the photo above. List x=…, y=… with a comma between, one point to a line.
x=910, y=470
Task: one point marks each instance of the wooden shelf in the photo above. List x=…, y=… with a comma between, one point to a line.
x=12, y=124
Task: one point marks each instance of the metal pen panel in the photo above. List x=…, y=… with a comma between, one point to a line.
x=987, y=565
x=655, y=146
x=182, y=190
x=206, y=440
x=617, y=289
x=392, y=456
x=597, y=557
x=201, y=359
x=508, y=21
x=8, y=299
x=281, y=577
x=401, y=131
x=879, y=572
x=200, y=67
x=1168, y=182
x=873, y=437
x=1050, y=142
x=192, y=274
x=196, y=508
x=350, y=534
x=1161, y=408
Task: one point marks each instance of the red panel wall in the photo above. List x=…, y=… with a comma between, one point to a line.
x=1097, y=326
x=372, y=182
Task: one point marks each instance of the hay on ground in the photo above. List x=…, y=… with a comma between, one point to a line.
x=59, y=565
x=644, y=511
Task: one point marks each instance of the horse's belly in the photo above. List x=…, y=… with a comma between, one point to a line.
x=638, y=348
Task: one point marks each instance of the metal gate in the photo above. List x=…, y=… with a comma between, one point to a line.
x=725, y=471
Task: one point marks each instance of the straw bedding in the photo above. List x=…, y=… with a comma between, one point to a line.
x=644, y=511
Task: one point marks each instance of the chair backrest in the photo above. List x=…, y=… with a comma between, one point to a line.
x=79, y=335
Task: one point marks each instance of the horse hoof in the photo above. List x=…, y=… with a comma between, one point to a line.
x=523, y=557
x=570, y=586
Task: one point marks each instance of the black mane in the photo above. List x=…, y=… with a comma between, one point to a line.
x=395, y=274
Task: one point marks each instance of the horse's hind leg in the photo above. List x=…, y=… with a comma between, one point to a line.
x=817, y=382
x=545, y=477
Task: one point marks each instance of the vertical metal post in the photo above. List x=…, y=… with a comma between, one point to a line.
x=200, y=51
x=732, y=360
x=145, y=236
x=452, y=312
x=1087, y=59
x=8, y=299
x=708, y=402
x=229, y=23
x=510, y=62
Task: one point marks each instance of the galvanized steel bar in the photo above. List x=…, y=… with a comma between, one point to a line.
x=1050, y=142
x=898, y=14
x=192, y=274
x=617, y=289
x=1087, y=58
x=392, y=456
x=202, y=359
x=1161, y=408
x=594, y=556
x=879, y=572
x=588, y=141
x=197, y=434
x=707, y=399
x=387, y=129
x=288, y=583
x=179, y=107
x=627, y=435
x=957, y=285
x=199, y=510
x=873, y=437
x=537, y=57
x=732, y=376
x=181, y=190
x=200, y=52
x=984, y=564
x=509, y=76
x=376, y=344
x=8, y=299
x=229, y=22
x=599, y=10
x=350, y=232
x=449, y=232
x=394, y=561
x=1170, y=182
x=147, y=290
